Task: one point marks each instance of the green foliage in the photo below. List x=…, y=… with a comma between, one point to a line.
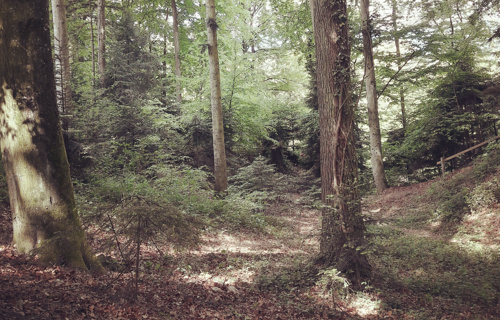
x=450, y=122
x=258, y=176
x=488, y=163
x=485, y=195
x=132, y=204
x=451, y=199
x=456, y=196
x=332, y=282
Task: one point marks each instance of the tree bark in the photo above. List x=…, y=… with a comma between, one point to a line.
x=91, y=15
x=62, y=64
x=371, y=99
x=176, y=52
x=398, y=54
x=342, y=228
x=101, y=39
x=220, y=170
x=45, y=220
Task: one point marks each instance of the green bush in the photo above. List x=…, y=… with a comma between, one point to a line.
x=451, y=199
x=258, y=176
x=456, y=196
x=484, y=194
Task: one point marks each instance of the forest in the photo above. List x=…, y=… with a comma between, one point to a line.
x=251, y=159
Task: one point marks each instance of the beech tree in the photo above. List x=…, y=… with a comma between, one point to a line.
x=220, y=171
x=62, y=64
x=371, y=100
x=45, y=220
x=394, y=17
x=176, y=51
x=101, y=38
x=342, y=226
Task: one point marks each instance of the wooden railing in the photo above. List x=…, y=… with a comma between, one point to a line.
x=443, y=159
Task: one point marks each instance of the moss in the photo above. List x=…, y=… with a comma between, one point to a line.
x=37, y=169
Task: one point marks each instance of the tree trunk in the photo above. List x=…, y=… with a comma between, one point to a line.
x=45, y=220
x=398, y=54
x=101, y=39
x=220, y=171
x=91, y=15
x=176, y=52
x=63, y=69
x=371, y=99
x=342, y=229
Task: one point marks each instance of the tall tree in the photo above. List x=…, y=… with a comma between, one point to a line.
x=371, y=100
x=394, y=17
x=176, y=51
x=92, y=44
x=62, y=64
x=40, y=189
x=342, y=229
x=220, y=170
x=101, y=39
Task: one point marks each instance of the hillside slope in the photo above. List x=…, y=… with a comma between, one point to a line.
x=436, y=244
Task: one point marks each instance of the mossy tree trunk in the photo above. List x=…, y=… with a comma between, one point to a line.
x=342, y=229
x=45, y=220
x=220, y=170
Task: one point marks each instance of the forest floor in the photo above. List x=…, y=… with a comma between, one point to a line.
x=422, y=270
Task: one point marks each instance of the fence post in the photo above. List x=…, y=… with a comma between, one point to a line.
x=442, y=165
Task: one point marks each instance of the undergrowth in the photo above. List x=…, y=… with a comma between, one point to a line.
x=427, y=249
x=467, y=190
x=437, y=268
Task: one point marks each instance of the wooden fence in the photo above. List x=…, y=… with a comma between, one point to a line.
x=443, y=159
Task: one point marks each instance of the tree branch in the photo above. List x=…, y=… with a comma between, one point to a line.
x=397, y=72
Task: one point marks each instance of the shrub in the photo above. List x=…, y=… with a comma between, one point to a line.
x=451, y=199
x=484, y=194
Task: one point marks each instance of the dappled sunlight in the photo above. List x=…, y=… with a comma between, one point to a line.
x=230, y=278
x=365, y=304
x=480, y=230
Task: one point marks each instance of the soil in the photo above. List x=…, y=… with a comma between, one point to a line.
x=234, y=275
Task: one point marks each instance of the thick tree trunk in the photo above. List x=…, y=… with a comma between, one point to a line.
x=63, y=69
x=176, y=52
x=101, y=39
x=371, y=98
x=33, y=154
x=220, y=171
x=342, y=229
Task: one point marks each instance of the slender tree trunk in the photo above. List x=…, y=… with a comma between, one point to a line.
x=220, y=171
x=342, y=229
x=398, y=54
x=61, y=48
x=165, y=76
x=101, y=39
x=371, y=99
x=91, y=15
x=40, y=190
x=176, y=52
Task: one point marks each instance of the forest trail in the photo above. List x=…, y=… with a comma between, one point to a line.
x=238, y=274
